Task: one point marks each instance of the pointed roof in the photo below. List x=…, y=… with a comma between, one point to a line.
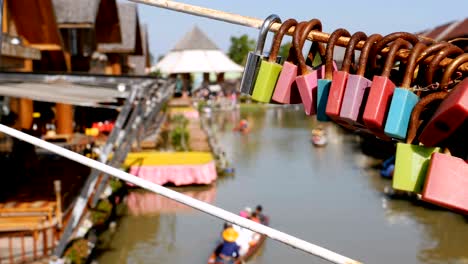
x=195, y=40
x=130, y=31
x=76, y=12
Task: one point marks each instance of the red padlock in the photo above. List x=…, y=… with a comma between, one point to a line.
x=340, y=78
x=453, y=111
x=323, y=85
x=381, y=89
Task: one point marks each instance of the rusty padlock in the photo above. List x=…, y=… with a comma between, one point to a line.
x=270, y=70
x=307, y=80
x=254, y=58
x=286, y=91
x=382, y=87
x=323, y=84
x=403, y=100
x=447, y=52
x=340, y=78
x=452, y=112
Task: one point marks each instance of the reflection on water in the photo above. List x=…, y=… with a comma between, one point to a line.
x=330, y=196
x=148, y=203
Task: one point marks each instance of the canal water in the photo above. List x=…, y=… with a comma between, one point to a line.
x=329, y=196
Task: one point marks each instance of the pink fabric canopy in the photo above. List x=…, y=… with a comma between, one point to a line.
x=177, y=174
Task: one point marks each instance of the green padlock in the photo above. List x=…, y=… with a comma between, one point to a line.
x=412, y=161
x=270, y=69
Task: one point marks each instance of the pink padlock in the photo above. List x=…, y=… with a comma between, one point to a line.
x=339, y=80
x=307, y=80
x=349, y=96
x=286, y=91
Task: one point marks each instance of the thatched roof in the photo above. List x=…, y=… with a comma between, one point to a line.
x=76, y=11
x=130, y=32
x=195, y=40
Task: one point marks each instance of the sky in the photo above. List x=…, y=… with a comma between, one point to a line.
x=166, y=27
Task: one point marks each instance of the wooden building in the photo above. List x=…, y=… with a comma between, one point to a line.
x=140, y=64
x=30, y=44
x=131, y=44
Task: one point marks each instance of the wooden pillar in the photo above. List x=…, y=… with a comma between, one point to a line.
x=64, y=117
x=25, y=113
x=206, y=77
x=220, y=77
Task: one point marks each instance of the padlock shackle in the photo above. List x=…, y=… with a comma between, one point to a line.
x=350, y=48
x=451, y=68
x=365, y=51
x=275, y=46
x=292, y=56
x=330, y=49
x=413, y=60
x=391, y=55
x=387, y=39
x=262, y=35
x=315, y=25
x=417, y=110
x=450, y=50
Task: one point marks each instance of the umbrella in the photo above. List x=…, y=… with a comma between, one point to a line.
x=195, y=52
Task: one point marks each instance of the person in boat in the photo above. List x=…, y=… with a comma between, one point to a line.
x=255, y=217
x=229, y=251
x=243, y=126
x=318, y=131
x=246, y=212
x=260, y=214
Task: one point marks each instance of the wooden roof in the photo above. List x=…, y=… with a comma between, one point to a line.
x=143, y=61
x=448, y=31
x=40, y=28
x=102, y=15
x=130, y=31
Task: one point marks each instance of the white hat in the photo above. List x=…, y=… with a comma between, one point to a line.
x=248, y=209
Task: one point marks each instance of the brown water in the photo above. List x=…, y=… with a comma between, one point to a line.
x=329, y=196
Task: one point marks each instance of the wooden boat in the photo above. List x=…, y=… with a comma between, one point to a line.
x=250, y=253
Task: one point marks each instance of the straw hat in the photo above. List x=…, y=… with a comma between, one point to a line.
x=230, y=235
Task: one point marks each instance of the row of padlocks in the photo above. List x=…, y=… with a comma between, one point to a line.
x=422, y=105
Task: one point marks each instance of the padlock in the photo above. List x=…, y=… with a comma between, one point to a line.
x=254, y=58
x=269, y=70
x=452, y=112
x=381, y=88
x=447, y=52
x=340, y=79
x=307, y=80
x=286, y=91
x=323, y=84
x=403, y=100
x=412, y=160
x=447, y=182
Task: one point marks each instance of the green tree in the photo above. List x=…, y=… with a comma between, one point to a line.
x=240, y=47
x=284, y=50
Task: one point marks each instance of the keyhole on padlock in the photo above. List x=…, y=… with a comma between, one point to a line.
x=442, y=126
